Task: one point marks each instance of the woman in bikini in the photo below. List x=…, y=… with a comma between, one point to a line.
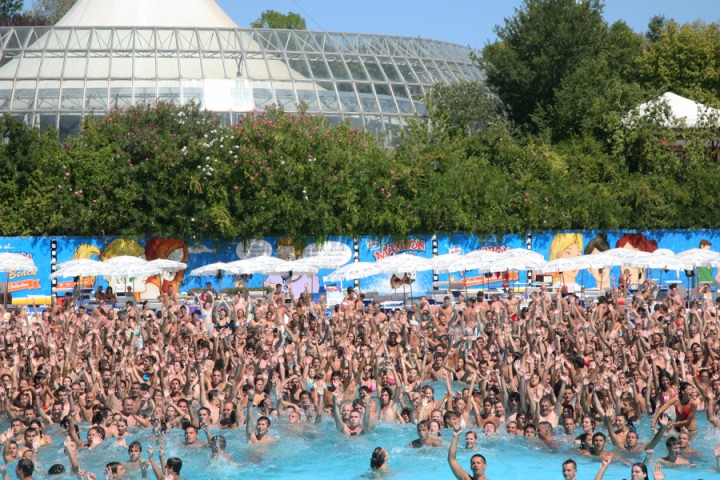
x=686, y=405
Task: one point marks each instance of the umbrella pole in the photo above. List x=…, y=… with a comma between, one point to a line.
x=411, y=296
x=465, y=283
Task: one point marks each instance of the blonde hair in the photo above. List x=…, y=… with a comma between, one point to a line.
x=561, y=241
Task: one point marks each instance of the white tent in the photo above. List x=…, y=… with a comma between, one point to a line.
x=679, y=109
x=146, y=13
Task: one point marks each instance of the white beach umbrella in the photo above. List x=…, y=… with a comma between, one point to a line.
x=404, y=263
x=567, y=264
x=213, y=269
x=260, y=264
x=10, y=262
x=167, y=265
x=295, y=266
x=353, y=271
x=523, y=253
x=442, y=263
x=82, y=267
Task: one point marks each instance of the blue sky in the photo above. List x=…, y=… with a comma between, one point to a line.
x=467, y=22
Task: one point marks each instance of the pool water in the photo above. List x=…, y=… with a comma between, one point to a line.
x=321, y=452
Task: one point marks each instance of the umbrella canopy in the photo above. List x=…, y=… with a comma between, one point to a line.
x=698, y=257
x=566, y=264
x=130, y=271
x=353, y=271
x=213, y=269
x=167, y=265
x=404, y=263
x=260, y=264
x=524, y=254
x=515, y=264
x=82, y=267
x=76, y=261
x=442, y=263
x=10, y=262
x=660, y=262
x=126, y=266
x=599, y=260
x=125, y=260
x=295, y=266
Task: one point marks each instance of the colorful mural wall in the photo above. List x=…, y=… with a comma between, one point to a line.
x=28, y=286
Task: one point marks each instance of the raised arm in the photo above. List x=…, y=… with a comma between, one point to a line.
x=457, y=470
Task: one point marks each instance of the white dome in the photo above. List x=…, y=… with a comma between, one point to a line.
x=146, y=13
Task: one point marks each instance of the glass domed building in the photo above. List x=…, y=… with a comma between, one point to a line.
x=108, y=54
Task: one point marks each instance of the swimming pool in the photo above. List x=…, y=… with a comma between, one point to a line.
x=322, y=452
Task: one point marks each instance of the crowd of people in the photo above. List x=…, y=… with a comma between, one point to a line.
x=569, y=375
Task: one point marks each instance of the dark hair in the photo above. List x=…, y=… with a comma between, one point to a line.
x=26, y=467
x=642, y=467
x=218, y=442
x=477, y=455
x=570, y=461
x=598, y=243
x=266, y=419
x=378, y=458
x=174, y=464
x=56, y=469
x=113, y=466
x=135, y=444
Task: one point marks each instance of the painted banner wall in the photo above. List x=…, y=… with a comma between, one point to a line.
x=27, y=286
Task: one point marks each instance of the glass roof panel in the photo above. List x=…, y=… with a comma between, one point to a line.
x=101, y=39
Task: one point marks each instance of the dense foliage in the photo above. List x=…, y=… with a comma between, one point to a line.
x=274, y=19
x=551, y=141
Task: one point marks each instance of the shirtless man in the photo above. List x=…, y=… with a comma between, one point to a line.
x=569, y=469
x=424, y=438
x=388, y=405
x=673, y=456
x=597, y=449
x=357, y=424
x=262, y=427
x=478, y=464
x=512, y=304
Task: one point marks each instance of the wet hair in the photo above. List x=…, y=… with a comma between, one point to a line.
x=378, y=458
x=643, y=468
x=113, y=466
x=570, y=461
x=56, y=469
x=99, y=430
x=480, y=456
x=135, y=444
x=218, y=442
x=174, y=464
x=26, y=467
x=266, y=419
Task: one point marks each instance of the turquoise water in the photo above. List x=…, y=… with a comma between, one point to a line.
x=322, y=452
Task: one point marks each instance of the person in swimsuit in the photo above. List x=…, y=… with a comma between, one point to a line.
x=686, y=406
x=478, y=464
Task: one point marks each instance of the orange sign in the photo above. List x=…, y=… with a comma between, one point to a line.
x=482, y=280
x=29, y=284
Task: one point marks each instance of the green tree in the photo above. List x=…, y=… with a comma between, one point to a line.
x=274, y=19
x=544, y=42
x=8, y=10
x=51, y=10
x=684, y=59
x=465, y=107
